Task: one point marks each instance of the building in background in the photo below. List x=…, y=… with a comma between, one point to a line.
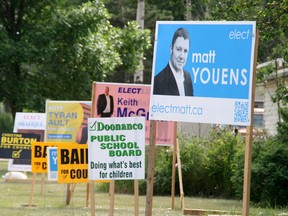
x=269, y=89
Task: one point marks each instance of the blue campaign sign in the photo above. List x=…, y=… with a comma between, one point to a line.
x=52, y=160
x=214, y=60
x=219, y=59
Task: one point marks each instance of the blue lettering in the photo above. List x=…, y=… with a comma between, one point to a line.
x=122, y=114
x=129, y=90
x=138, y=112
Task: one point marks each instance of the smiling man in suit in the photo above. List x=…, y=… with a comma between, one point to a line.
x=173, y=80
x=105, y=104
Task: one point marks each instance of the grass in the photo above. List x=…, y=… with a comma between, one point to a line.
x=50, y=199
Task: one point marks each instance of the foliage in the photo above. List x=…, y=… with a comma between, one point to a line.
x=129, y=53
x=57, y=48
x=78, y=49
x=214, y=167
x=163, y=171
x=238, y=172
x=6, y=122
x=263, y=73
x=282, y=126
x=269, y=175
x=281, y=92
x=220, y=156
x=271, y=18
x=122, y=11
x=193, y=159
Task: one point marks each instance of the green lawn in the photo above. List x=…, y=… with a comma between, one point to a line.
x=50, y=198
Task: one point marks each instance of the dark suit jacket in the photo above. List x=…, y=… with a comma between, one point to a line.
x=102, y=103
x=84, y=136
x=165, y=83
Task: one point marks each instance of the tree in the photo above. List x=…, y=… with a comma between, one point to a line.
x=55, y=49
x=122, y=11
x=271, y=17
x=14, y=50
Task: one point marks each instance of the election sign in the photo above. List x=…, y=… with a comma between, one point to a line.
x=27, y=123
x=39, y=155
x=73, y=163
x=52, y=163
x=116, y=148
x=30, y=121
x=66, y=121
x=133, y=100
x=206, y=76
x=17, y=145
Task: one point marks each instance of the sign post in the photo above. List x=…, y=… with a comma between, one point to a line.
x=248, y=145
x=203, y=78
x=150, y=174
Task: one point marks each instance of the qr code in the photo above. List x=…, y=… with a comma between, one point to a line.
x=241, y=111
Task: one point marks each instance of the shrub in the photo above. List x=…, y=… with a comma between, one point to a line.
x=220, y=156
x=269, y=173
x=192, y=155
x=214, y=166
x=163, y=170
x=6, y=122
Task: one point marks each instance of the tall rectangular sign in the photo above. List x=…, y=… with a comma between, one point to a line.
x=116, y=148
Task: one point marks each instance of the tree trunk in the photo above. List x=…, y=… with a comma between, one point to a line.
x=188, y=10
x=138, y=76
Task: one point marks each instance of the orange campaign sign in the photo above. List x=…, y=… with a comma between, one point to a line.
x=73, y=163
x=39, y=155
x=130, y=100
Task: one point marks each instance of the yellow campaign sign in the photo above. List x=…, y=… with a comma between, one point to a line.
x=73, y=164
x=39, y=155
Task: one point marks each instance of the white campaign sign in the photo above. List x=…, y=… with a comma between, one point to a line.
x=116, y=148
x=27, y=123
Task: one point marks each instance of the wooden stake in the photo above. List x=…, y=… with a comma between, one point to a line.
x=32, y=189
x=150, y=174
x=91, y=183
x=112, y=195
x=42, y=183
x=174, y=168
x=248, y=141
x=87, y=195
x=180, y=176
x=92, y=197
x=68, y=194
x=136, y=197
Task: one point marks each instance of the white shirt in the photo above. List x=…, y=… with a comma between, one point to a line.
x=179, y=77
x=107, y=109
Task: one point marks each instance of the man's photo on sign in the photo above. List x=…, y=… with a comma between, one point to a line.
x=105, y=104
x=173, y=79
